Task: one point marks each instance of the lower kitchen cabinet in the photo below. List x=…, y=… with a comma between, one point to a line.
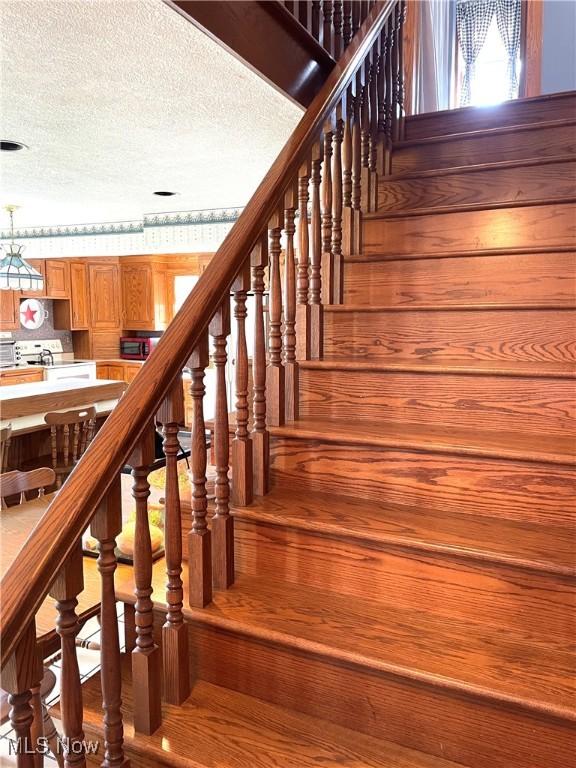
x=9, y=377
x=117, y=370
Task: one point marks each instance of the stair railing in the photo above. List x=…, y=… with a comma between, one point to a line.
x=326, y=177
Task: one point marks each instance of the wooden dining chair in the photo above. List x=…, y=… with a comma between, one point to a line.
x=12, y=484
x=5, y=437
x=17, y=482
x=70, y=433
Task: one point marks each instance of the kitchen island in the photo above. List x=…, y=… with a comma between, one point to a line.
x=23, y=407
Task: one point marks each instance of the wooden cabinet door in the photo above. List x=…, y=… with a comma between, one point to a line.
x=9, y=310
x=104, y=296
x=40, y=265
x=137, y=297
x=116, y=372
x=79, y=300
x=130, y=371
x=102, y=371
x=8, y=379
x=57, y=278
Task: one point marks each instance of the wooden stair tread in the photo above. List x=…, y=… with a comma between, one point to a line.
x=489, y=131
x=218, y=727
x=480, y=367
x=545, y=548
x=366, y=258
x=351, y=308
x=457, y=169
x=435, y=438
x=507, y=666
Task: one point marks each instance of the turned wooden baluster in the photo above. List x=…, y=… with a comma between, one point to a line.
x=356, y=20
x=275, y=382
x=389, y=89
x=106, y=525
x=175, y=631
x=336, y=245
x=303, y=345
x=382, y=158
x=199, y=538
x=347, y=212
x=373, y=139
x=65, y=590
x=23, y=672
x=357, y=163
x=242, y=470
x=146, y=661
x=392, y=82
x=222, y=522
x=315, y=19
x=326, y=202
x=347, y=23
x=365, y=137
x=400, y=73
x=289, y=346
x=315, y=285
x=327, y=33
x=338, y=44
x=259, y=436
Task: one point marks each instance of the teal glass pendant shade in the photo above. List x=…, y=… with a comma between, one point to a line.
x=16, y=274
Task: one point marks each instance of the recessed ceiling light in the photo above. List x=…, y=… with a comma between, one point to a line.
x=6, y=145
x=165, y=194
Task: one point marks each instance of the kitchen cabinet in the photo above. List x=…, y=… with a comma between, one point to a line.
x=144, y=296
x=9, y=310
x=20, y=376
x=101, y=370
x=57, y=276
x=104, y=283
x=74, y=314
x=117, y=370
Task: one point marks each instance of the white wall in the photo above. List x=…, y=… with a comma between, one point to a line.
x=559, y=46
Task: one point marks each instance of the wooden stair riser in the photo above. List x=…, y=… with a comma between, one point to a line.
x=516, y=490
x=529, y=336
x=515, y=185
x=515, y=404
x=486, y=148
x=544, y=226
x=459, y=588
x=560, y=106
x=419, y=715
x=534, y=279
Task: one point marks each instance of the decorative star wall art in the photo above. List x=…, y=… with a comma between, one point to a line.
x=32, y=314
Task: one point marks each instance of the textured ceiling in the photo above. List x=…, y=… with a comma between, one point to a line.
x=119, y=99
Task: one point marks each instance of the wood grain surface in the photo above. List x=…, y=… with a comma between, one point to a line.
x=515, y=404
x=461, y=335
x=480, y=186
x=542, y=225
x=555, y=106
x=533, y=279
x=496, y=146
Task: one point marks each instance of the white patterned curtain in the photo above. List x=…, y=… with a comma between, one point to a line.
x=473, y=19
x=508, y=16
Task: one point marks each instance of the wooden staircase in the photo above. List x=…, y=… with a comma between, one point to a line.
x=404, y=593
x=410, y=578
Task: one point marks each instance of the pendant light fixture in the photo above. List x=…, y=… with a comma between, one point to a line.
x=15, y=273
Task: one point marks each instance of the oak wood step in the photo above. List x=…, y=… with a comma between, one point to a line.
x=528, y=546
x=542, y=280
x=455, y=334
x=437, y=438
x=517, y=111
x=549, y=226
x=518, y=142
x=418, y=645
x=518, y=405
x=217, y=727
x=479, y=186
x=480, y=368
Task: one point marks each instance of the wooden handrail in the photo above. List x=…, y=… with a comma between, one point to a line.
x=28, y=580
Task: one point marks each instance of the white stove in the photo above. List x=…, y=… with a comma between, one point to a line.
x=56, y=364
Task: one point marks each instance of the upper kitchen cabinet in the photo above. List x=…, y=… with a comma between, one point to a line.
x=40, y=265
x=57, y=277
x=104, y=283
x=74, y=315
x=9, y=308
x=144, y=296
